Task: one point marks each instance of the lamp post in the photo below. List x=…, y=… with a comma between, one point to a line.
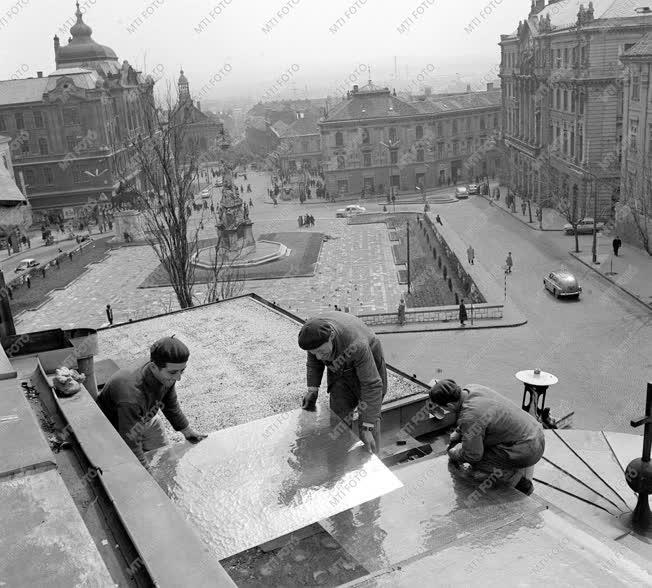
x=408, y=255
x=390, y=146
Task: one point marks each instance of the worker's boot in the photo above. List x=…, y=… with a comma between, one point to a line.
x=524, y=485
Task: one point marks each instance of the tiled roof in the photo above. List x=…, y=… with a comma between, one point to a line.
x=301, y=126
x=32, y=89
x=642, y=47
x=460, y=102
x=371, y=105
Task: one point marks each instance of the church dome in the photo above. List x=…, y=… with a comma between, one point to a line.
x=182, y=78
x=81, y=48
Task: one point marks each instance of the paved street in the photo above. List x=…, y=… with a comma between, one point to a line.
x=599, y=347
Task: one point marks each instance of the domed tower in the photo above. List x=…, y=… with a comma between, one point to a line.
x=184, y=88
x=81, y=50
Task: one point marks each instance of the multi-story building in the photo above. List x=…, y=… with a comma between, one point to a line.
x=15, y=212
x=373, y=140
x=562, y=102
x=634, y=211
x=300, y=143
x=67, y=128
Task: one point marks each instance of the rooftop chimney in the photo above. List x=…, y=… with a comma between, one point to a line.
x=490, y=86
x=39, y=74
x=199, y=105
x=355, y=88
x=468, y=87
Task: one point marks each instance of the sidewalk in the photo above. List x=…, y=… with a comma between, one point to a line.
x=551, y=221
x=630, y=272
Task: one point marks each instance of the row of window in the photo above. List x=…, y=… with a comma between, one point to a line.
x=44, y=176
x=560, y=58
x=457, y=148
x=20, y=119
x=567, y=142
x=456, y=125
x=73, y=145
x=633, y=137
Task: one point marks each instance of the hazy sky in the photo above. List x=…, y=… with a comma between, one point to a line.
x=224, y=49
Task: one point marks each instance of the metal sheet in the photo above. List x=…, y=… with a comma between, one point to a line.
x=43, y=539
x=249, y=484
x=538, y=550
x=435, y=506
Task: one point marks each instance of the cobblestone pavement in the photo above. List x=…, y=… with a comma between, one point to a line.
x=355, y=269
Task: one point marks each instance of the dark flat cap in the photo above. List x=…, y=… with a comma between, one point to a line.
x=315, y=332
x=445, y=391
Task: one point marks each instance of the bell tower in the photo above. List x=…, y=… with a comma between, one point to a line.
x=184, y=88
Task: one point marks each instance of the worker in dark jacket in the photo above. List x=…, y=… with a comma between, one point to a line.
x=493, y=435
x=357, y=377
x=131, y=399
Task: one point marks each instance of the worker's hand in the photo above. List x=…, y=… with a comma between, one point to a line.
x=368, y=440
x=454, y=439
x=309, y=401
x=455, y=454
x=194, y=437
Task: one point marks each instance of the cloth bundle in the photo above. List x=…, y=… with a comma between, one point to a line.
x=67, y=381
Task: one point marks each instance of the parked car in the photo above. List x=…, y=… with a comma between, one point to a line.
x=473, y=188
x=584, y=227
x=461, y=192
x=26, y=264
x=350, y=210
x=562, y=283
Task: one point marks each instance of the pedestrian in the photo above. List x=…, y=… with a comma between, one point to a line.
x=212, y=208
x=248, y=187
x=438, y=219
x=616, y=243
x=131, y=399
x=43, y=271
x=523, y=207
x=352, y=355
x=28, y=281
x=306, y=220
x=109, y=314
x=384, y=208
x=300, y=221
x=494, y=437
x=463, y=315
x=56, y=262
x=251, y=204
x=401, y=311
x=10, y=291
x=509, y=262
x=70, y=255
x=470, y=253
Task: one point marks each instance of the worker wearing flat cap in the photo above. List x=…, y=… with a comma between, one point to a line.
x=493, y=435
x=357, y=377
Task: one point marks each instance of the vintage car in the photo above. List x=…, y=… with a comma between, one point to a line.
x=473, y=188
x=350, y=210
x=461, y=192
x=26, y=264
x=584, y=227
x=562, y=283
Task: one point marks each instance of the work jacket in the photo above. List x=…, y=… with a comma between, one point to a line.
x=356, y=351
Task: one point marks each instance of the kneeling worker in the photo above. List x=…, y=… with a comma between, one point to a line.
x=131, y=399
x=493, y=435
x=357, y=376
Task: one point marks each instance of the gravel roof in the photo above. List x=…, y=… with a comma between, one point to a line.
x=244, y=365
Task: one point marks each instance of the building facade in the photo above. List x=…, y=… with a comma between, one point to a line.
x=15, y=212
x=299, y=144
x=562, y=85
x=374, y=142
x=634, y=211
x=67, y=128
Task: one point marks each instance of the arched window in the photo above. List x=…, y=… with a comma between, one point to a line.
x=419, y=132
x=339, y=139
x=392, y=134
x=43, y=146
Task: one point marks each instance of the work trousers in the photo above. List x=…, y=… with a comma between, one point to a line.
x=511, y=460
x=344, y=392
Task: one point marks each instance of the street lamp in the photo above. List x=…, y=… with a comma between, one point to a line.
x=391, y=145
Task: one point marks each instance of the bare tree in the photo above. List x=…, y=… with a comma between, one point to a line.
x=225, y=279
x=637, y=205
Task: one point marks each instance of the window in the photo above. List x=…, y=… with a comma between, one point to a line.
x=565, y=56
x=572, y=144
x=367, y=159
x=420, y=155
x=48, y=178
x=454, y=127
x=558, y=59
x=70, y=116
x=25, y=147
x=440, y=129
x=649, y=139
x=482, y=123
x=20, y=122
x=633, y=135
x=29, y=177
x=38, y=119
x=581, y=103
x=440, y=150
x=580, y=143
x=71, y=143
x=495, y=121
x=572, y=101
x=468, y=124
x=574, y=56
x=456, y=147
x=419, y=132
x=392, y=134
x=393, y=156
x=565, y=143
x=469, y=144
x=558, y=99
x=365, y=136
x=565, y=100
x=3, y=124
x=76, y=176
x=43, y=146
x=305, y=146
x=636, y=87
